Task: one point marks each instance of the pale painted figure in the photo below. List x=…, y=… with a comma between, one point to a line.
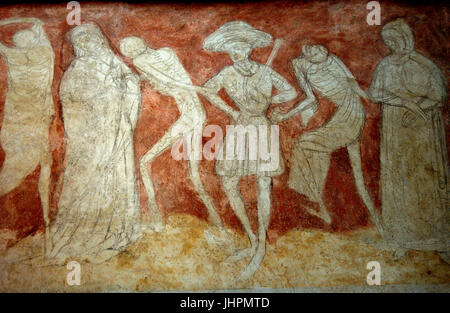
x=98, y=211
x=414, y=165
x=249, y=85
x=163, y=70
x=28, y=110
x=318, y=70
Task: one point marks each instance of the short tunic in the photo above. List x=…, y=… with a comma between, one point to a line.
x=252, y=94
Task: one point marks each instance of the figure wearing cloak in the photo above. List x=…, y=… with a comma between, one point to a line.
x=98, y=211
x=320, y=71
x=414, y=165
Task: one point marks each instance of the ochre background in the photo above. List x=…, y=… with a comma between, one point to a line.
x=340, y=26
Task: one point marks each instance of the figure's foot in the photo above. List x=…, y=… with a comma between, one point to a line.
x=217, y=236
x=157, y=227
x=322, y=214
x=254, y=264
x=240, y=254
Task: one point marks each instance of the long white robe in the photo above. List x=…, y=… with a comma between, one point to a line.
x=99, y=205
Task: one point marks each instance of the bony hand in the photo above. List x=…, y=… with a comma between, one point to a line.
x=408, y=118
x=276, y=116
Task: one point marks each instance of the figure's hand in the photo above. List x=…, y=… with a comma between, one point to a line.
x=276, y=116
x=408, y=118
x=234, y=115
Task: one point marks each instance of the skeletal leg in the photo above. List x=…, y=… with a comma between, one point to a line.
x=44, y=186
x=264, y=191
x=230, y=185
x=355, y=159
x=214, y=217
x=165, y=142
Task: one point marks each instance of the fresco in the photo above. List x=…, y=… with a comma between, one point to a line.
x=218, y=146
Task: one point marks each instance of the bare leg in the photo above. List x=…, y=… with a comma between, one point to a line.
x=264, y=190
x=355, y=159
x=165, y=142
x=230, y=185
x=214, y=217
x=44, y=185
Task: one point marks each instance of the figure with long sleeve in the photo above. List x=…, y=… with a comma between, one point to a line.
x=249, y=85
x=28, y=110
x=99, y=210
x=414, y=176
x=320, y=71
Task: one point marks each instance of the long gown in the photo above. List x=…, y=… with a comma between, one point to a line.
x=99, y=205
x=414, y=164
x=311, y=155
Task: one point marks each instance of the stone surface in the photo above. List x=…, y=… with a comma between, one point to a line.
x=363, y=172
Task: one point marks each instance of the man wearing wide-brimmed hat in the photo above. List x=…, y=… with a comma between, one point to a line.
x=249, y=85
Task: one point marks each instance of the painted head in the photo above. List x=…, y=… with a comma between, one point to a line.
x=238, y=50
x=314, y=53
x=132, y=46
x=398, y=36
x=25, y=39
x=87, y=39
x=238, y=39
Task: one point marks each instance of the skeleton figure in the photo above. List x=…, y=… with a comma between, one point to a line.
x=163, y=70
x=28, y=110
x=249, y=85
x=414, y=176
x=325, y=73
x=98, y=211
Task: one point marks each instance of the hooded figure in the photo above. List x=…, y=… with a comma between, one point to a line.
x=414, y=165
x=98, y=211
x=323, y=72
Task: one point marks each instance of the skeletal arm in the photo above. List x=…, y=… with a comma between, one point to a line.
x=303, y=105
x=285, y=91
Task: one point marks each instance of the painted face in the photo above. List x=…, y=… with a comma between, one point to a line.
x=314, y=53
x=132, y=46
x=392, y=44
x=24, y=39
x=87, y=42
x=239, y=51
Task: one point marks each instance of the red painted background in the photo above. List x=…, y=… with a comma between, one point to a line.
x=340, y=26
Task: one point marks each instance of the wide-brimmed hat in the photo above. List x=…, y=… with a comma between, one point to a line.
x=236, y=31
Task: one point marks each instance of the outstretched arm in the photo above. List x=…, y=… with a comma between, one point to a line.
x=285, y=91
x=33, y=20
x=37, y=28
x=306, y=103
x=350, y=78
